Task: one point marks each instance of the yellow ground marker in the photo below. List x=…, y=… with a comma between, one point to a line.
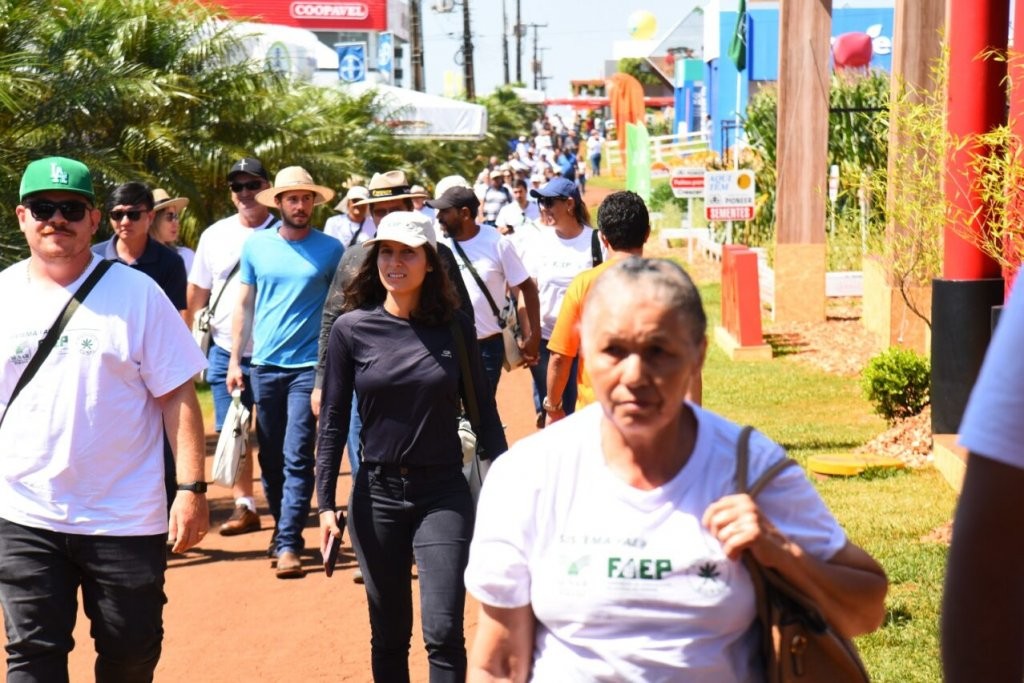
x=850, y=464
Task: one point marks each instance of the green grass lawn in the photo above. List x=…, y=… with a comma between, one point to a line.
x=810, y=413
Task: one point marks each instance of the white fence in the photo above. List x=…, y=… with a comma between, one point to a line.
x=664, y=148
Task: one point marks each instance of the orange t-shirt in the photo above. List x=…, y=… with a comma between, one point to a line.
x=565, y=337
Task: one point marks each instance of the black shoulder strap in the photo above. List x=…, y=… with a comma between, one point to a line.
x=479, y=282
x=47, y=344
x=595, y=248
x=213, y=306
x=742, y=464
x=472, y=410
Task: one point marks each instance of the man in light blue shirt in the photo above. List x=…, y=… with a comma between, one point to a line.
x=285, y=275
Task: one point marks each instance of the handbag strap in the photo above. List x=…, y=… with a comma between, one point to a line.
x=742, y=465
x=47, y=344
x=469, y=391
x=479, y=283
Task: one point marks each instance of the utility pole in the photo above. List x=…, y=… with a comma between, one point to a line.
x=416, y=47
x=536, y=57
x=504, y=38
x=519, y=42
x=467, y=53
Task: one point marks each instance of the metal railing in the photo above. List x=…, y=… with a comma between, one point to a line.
x=664, y=148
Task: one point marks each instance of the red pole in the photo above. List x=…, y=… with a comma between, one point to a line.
x=1016, y=68
x=975, y=103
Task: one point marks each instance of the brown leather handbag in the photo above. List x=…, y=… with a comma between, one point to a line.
x=797, y=644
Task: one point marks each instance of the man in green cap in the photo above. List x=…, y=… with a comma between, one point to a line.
x=94, y=364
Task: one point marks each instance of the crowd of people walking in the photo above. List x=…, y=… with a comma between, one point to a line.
x=365, y=342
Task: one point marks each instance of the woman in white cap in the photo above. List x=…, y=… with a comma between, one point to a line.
x=166, y=225
x=394, y=346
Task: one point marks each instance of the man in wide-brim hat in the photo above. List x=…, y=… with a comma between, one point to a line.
x=353, y=223
x=284, y=275
x=389, y=191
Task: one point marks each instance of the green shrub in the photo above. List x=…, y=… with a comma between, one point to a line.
x=896, y=382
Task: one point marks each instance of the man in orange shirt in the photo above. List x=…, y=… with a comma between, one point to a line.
x=624, y=225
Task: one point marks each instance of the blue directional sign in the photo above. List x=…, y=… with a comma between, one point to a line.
x=351, y=62
x=386, y=56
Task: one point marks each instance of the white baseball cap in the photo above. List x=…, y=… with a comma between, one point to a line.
x=411, y=228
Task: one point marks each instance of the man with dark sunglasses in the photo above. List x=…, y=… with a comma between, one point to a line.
x=130, y=209
x=82, y=501
x=214, y=275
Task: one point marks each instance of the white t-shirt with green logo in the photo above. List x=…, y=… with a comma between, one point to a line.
x=82, y=449
x=626, y=584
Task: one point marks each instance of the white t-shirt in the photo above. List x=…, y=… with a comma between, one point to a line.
x=498, y=265
x=219, y=249
x=188, y=256
x=992, y=424
x=83, y=445
x=553, y=262
x=511, y=215
x=626, y=584
x=343, y=228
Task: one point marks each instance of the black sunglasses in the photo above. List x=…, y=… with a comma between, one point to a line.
x=252, y=186
x=133, y=214
x=43, y=210
x=548, y=202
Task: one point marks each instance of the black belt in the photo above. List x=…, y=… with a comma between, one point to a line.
x=491, y=338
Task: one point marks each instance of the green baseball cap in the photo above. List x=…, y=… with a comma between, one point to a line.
x=57, y=173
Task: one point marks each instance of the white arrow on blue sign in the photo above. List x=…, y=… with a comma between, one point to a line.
x=351, y=62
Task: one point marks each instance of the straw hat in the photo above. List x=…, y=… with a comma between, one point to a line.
x=294, y=179
x=162, y=200
x=390, y=185
x=355, y=193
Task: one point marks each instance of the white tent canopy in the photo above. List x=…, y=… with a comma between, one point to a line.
x=414, y=114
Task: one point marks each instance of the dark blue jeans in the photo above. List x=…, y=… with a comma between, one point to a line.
x=395, y=513
x=540, y=382
x=492, y=354
x=122, y=581
x=286, y=430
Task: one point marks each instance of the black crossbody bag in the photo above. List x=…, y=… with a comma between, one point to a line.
x=50, y=340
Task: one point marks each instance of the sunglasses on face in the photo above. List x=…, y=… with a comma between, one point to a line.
x=43, y=210
x=548, y=202
x=252, y=186
x=133, y=215
x=171, y=216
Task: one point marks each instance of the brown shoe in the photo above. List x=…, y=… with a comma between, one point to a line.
x=242, y=521
x=289, y=566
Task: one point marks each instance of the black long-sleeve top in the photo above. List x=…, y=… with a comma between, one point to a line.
x=351, y=262
x=407, y=379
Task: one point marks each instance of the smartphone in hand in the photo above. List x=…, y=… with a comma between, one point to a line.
x=334, y=547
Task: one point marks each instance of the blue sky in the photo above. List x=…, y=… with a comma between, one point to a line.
x=578, y=38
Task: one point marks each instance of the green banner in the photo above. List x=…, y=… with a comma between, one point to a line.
x=638, y=160
x=738, y=46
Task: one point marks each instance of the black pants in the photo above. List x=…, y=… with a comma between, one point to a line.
x=395, y=512
x=122, y=580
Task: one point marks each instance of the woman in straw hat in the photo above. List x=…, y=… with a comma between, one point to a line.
x=166, y=225
x=395, y=345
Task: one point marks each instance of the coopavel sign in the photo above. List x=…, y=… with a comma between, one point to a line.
x=329, y=10
x=320, y=15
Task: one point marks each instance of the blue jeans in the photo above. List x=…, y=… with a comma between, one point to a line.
x=286, y=430
x=540, y=382
x=394, y=513
x=217, y=375
x=595, y=165
x=122, y=581
x=492, y=354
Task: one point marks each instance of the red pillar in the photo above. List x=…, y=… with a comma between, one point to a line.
x=975, y=103
x=1016, y=68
